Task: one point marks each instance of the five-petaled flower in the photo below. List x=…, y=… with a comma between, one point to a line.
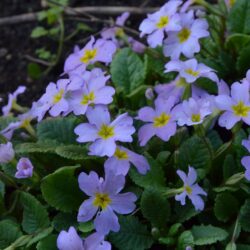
x=24, y=168
x=105, y=199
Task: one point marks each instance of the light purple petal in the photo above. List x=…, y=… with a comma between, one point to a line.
x=197, y=202
x=145, y=133
x=146, y=114
x=103, y=147
x=119, y=167
x=228, y=120
x=86, y=211
x=86, y=132
x=98, y=115
x=89, y=184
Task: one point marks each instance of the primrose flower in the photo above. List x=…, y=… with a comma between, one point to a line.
x=104, y=200
x=161, y=121
x=104, y=133
x=24, y=168
x=186, y=40
x=94, y=51
x=54, y=98
x=236, y=106
x=71, y=241
x=12, y=100
x=190, y=189
x=119, y=163
x=93, y=91
x=7, y=152
x=192, y=112
x=191, y=70
x=245, y=161
x=164, y=20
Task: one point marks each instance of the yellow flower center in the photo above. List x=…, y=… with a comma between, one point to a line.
x=183, y=35
x=120, y=154
x=119, y=32
x=106, y=132
x=181, y=82
x=57, y=97
x=188, y=189
x=196, y=117
x=164, y=20
x=89, y=55
x=26, y=123
x=88, y=98
x=101, y=200
x=241, y=109
x=192, y=72
x=161, y=120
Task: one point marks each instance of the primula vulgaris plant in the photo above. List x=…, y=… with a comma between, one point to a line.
x=145, y=142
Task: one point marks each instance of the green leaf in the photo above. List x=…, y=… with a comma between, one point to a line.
x=229, y=167
x=5, y=121
x=208, y=85
x=239, y=17
x=60, y=189
x=243, y=63
x=49, y=243
x=73, y=152
x=127, y=70
x=9, y=232
x=214, y=139
x=184, y=213
x=245, y=216
x=38, y=147
x=58, y=129
x=185, y=239
x=154, y=177
x=40, y=236
x=237, y=41
x=194, y=152
x=35, y=216
x=62, y=221
x=151, y=201
x=225, y=206
x=206, y=235
x=34, y=70
x=39, y=32
x=132, y=235
x=231, y=246
x=86, y=227
x=243, y=247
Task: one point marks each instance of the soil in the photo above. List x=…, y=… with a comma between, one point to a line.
x=15, y=43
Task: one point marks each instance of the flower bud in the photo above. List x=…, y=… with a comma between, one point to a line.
x=6, y=152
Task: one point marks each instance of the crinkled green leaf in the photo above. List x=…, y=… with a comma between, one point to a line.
x=184, y=240
x=62, y=221
x=73, y=152
x=49, y=243
x=245, y=216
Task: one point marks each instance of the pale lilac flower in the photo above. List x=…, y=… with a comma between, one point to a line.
x=186, y=5
x=160, y=121
x=191, y=189
x=114, y=32
x=186, y=40
x=104, y=133
x=191, y=70
x=236, y=106
x=71, y=241
x=164, y=20
x=54, y=99
x=120, y=162
x=105, y=199
x=12, y=100
x=24, y=168
x=192, y=111
x=7, y=152
x=94, y=51
x=245, y=161
x=93, y=92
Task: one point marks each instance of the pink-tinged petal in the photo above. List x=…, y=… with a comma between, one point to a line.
x=240, y=92
x=145, y=133
x=224, y=102
x=167, y=131
x=119, y=167
x=156, y=38
x=86, y=132
x=182, y=175
x=197, y=202
x=123, y=203
x=228, y=120
x=98, y=115
x=192, y=176
x=139, y=161
x=69, y=240
x=113, y=183
x=89, y=184
x=181, y=197
x=86, y=211
x=146, y=114
x=246, y=144
x=103, y=147
x=106, y=221
x=104, y=95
